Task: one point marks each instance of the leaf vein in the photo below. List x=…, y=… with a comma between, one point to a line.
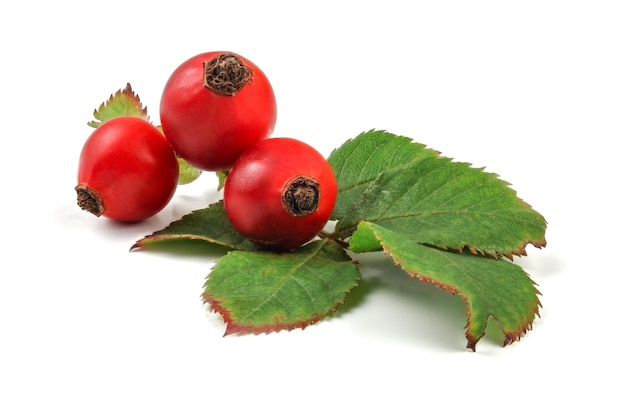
x=287, y=278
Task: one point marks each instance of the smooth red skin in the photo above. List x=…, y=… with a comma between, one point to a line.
x=253, y=193
x=128, y=162
x=211, y=131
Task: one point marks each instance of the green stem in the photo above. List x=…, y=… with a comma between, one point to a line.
x=332, y=237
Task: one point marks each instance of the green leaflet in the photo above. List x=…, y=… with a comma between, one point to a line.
x=432, y=199
x=187, y=173
x=209, y=224
x=490, y=287
x=359, y=161
x=262, y=292
x=123, y=103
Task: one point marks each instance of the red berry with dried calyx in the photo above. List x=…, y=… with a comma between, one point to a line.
x=127, y=170
x=280, y=193
x=214, y=106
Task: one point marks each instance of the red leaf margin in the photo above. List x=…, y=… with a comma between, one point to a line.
x=232, y=327
x=509, y=337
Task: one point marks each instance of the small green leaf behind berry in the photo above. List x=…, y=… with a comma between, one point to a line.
x=187, y=173
x=122, y=103
x=221, y=177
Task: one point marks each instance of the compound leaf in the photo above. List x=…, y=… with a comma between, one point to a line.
x=263, y=292
x=491, y=287
x=187, y=173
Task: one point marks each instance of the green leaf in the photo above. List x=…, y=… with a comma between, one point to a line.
x=359, y=161
x=187, y=172
x=491, y=287
x=433, y=200
x=123, y=103
x=209, y=224
x=263, y=292
x=221, y=177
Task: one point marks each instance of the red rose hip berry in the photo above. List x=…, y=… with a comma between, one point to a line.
x=280, y=193
x=127, y=170
x=214, y=106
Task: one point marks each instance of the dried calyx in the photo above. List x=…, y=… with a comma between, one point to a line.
x=301, y=196
x=89, y=200
x=226, y=74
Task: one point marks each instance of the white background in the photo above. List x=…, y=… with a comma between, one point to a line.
x=534, y=91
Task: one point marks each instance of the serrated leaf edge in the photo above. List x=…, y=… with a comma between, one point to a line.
x=233, y=328
x=509, y=337
x=495, y=254
x=140, y=244
x=127, y=90
x=408, y=140
x=521, y=251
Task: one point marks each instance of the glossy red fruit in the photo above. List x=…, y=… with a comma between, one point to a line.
x=127, y=170
x=280, y=193
x=214, y=106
